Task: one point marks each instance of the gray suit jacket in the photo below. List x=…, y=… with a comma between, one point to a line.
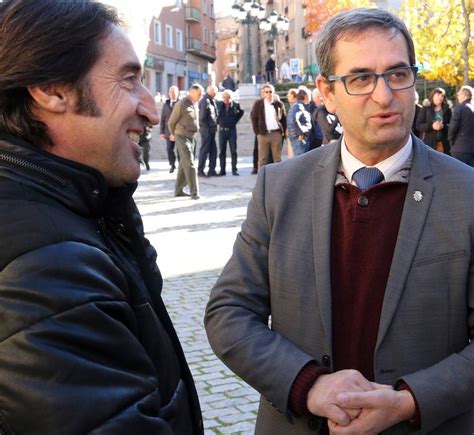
x=280, y=267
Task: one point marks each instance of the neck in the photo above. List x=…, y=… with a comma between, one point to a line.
x=370, y=156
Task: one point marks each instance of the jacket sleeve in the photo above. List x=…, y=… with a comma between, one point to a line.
x=163, y=119
x=71, y=360
x=423, y=123
x=238, y=311
x=454, y=125
x=203, y=111
x=240, y=111
x=303, y=119
x=174, y=116
x=254, y=117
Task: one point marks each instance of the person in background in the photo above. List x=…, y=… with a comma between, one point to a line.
x=316, y=134
x=166, y=110
x=348, y=301
x=298, y=122
x=269, y=124
x=208, y=129
x=144, y=142
x=270, y=69
x=229, y=114
x=229, y=83
x=330, y=125
x=461, y=127
x=285, y=73
x=418, y=107
x=86, y=344
x=183, y=125
x=433, y=121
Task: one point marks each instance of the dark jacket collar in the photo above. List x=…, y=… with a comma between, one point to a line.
x=78, y=187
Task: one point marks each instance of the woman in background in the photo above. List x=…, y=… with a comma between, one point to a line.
x=433, y=121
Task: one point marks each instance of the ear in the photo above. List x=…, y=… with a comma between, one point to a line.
x=324, y=87
x=51, y=98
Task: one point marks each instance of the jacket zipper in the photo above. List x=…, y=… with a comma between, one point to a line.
x=12, y=160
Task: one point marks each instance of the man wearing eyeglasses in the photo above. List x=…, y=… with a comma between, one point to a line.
x=268, y=118
x=361, y=253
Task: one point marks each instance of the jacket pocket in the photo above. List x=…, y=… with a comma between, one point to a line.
x=177, y=412
x=439, y=258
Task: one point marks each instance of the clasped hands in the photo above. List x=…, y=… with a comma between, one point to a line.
x=353, y=405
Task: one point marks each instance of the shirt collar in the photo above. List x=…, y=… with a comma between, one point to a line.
x=389, y=167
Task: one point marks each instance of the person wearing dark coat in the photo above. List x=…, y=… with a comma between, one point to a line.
x=316, y=134
x=207, y=129
x=433, y=121
x=86, y=344
x=229, y=83
x=461, y=128
x=330, y=125
x=144, y=142
x=166, y=110
x=229, y=114
x=270, y=69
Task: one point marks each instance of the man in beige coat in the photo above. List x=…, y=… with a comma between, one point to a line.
x=183, y=126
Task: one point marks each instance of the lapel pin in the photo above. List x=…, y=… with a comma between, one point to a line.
x=417, y=196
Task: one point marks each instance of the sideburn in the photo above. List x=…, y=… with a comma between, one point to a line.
x=85, y=104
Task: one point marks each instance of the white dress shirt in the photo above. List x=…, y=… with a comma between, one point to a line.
x=270, y=116
x=389, y=167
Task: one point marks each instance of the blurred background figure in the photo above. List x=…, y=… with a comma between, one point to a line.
x=298, y=121
x=433, y=121
x=229, y=83
x=229, y=114
x=316, y=134
x=270, y=68
x=285, y=74
x=418, y=107
x=144, y=142
x=208, y=129
x=461, y=128
x=168, y=105
x=330, y=125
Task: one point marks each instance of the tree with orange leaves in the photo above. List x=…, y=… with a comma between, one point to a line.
x=317, y=12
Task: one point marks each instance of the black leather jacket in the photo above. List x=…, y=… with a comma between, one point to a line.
x=86, y=345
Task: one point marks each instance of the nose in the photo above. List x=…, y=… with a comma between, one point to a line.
x=382, y=93
x=147, y=107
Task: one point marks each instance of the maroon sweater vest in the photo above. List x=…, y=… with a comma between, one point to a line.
x=364, y=232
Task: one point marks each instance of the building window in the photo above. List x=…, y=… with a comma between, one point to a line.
x=169, y=36
x=179, y=40
x=213, y=39
x=170, y=80
x=158, y=82
x=204, y=7
x=179, y=3
x=206, y=36
x=212, y=9
x=157, y=26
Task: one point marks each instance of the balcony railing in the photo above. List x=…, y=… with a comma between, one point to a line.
x=193, y=44
x=193, y=14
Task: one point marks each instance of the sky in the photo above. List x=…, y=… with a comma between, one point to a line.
x=223, y=6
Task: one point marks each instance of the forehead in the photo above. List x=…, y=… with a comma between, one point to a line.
x=117, y=54
x=373, y=49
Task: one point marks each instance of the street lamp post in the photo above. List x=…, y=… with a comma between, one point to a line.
x=250, y=12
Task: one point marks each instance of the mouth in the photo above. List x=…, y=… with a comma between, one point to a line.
x=133, y=136
x=386, y=117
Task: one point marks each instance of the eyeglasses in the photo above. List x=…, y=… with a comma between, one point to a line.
x=365, y=83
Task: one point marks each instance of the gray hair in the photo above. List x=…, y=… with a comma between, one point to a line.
x=352, y=22
x=467, y=91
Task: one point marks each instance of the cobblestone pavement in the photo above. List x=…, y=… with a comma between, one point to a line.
x=194, y=239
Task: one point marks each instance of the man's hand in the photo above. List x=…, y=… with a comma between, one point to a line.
x=172, y=138
x=322, y=398
x=162, y=135
x=381, y=408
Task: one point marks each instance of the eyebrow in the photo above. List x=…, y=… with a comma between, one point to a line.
x=134, y=67
x=368, y=70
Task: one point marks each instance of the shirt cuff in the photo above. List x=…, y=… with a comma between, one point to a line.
x=303, y=382
x=415, y=421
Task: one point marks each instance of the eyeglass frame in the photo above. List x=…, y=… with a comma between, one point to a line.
x=384, y=75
